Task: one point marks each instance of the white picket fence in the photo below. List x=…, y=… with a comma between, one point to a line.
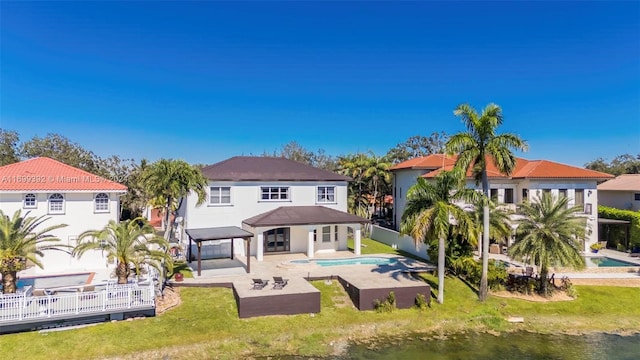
x=17, y=307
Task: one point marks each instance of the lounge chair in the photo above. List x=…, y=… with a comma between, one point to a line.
x=259, y=284
x=279, y=282
x=635, y=252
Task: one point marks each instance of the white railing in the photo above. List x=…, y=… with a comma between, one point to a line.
x=114, y=298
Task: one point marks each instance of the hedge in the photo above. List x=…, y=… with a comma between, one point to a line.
x=628, y=215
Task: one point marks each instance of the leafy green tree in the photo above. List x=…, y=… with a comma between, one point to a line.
x=131, y=243
x=23, y=239
x=621, y=164
x=550, y=234
x=377, y=174
x=417, y=146
x=9, y=152
x=499, y=223
x=172, y=180
x=354, y=166
x=62, y=149
x=432, y=216
x=479, y=144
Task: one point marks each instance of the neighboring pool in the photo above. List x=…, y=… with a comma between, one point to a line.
x=603, y=261
x=365, y=260
x=53, y=281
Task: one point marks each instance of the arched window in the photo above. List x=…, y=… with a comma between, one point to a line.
x=56, y=204
x=102, y=203
x=30, y=201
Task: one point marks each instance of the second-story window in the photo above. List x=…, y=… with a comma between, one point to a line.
x=30, y=201
x=56, y=204
x=102, y=203
x=508, y=196
x=326, y=194
x=219, y=195
x=273, y=193
x=578, y=197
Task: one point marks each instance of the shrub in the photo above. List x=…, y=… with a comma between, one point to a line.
x=387, y=305
x=421, y=302
x=471, y=270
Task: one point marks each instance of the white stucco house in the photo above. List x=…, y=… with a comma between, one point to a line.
x=258, y=206
x=529, y=180
x=275, y=205
x=623, y=192
x=65, y=195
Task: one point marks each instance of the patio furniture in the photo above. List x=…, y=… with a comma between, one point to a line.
x=528, y=272
x=259, y=284
x=635, y=252
x=279, y=282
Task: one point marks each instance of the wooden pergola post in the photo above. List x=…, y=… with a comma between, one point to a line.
x=248, y=240
x=199, y=257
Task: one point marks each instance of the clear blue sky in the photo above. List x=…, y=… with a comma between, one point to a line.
x=204, y=81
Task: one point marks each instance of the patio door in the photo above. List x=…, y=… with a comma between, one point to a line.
x=276, y=240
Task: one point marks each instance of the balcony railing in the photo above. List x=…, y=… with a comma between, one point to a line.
x=114, y=298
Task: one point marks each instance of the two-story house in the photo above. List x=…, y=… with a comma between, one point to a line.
x=529, y=180
x=276, y=205
x=66, y=195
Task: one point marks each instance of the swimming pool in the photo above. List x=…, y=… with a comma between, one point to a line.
x=53, y=281
x=603, y=261
x=365, y=260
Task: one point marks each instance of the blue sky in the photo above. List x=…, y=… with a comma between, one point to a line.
x=204, y=81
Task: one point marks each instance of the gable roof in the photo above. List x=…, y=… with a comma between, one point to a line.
x=303, y=215
x=261, y=168
x=45, y=174
x=524, y=169
x=625, y=182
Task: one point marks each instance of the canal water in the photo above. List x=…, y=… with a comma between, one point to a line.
x=515, y=346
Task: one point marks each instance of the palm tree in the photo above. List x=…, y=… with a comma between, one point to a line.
x=354, y=165
x=131, y=243
x=172, y=180
x=22, y=240
x=431, y=213
x=376, y=170
x=499, y=223
x=550, y=234
x=475, y=147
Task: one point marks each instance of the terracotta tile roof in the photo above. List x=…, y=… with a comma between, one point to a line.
x=303, y=215
x=433, y=161
x=45, y=174
x=535, y=169
x=626, y=182
x=261, y=168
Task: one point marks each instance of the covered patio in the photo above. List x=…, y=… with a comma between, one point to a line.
x=215, y=234
x=307, y=229
x=614, y=232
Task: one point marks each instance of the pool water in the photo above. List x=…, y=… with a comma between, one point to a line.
x=367, y=260
x=603, y=261
x=44, y=282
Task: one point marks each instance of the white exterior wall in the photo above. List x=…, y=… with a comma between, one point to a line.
x=246, y=202
x=402, y=181
x=79, y=215
x=535, y=187
x=624, y=200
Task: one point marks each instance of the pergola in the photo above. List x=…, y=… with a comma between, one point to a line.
x=218, y=233
x=606, y=223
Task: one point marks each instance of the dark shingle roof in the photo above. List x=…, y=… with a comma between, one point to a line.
x=254, y=168
x=218, y=233
x=303, y=215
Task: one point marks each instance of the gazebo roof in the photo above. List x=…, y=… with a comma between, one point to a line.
x=218, y=233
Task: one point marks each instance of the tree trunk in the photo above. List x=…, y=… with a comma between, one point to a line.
x=122, y=272
x=484, y=287
x=167, y=219
x=441, y=270
x=544, y=284
x=9, y=282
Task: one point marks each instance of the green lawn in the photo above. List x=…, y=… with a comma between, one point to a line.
x=206, y=324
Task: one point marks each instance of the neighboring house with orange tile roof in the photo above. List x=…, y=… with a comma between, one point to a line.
x=67, y=195
x=529, y=179
x=623, y=192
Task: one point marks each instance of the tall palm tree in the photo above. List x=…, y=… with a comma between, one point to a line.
x=172, y=180
x=431, y=215
x=377, y=173
x=131, y=243
x=354, y=165
x=22, y=240
x=550, y=234
x=479, y=144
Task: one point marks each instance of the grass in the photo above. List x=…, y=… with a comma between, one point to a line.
x=206, y=324
x=181, y=267
x=371, y=247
